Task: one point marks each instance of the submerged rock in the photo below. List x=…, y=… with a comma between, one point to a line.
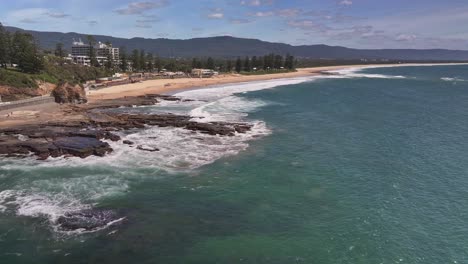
x=88, y=220
x=128, y=142
x=147, y=148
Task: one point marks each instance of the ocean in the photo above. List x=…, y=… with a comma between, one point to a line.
x=368, y=166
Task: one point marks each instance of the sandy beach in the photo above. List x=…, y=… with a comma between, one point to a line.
x=172, y=85
x=47, y=112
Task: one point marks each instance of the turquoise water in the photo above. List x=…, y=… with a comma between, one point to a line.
x=368, y=167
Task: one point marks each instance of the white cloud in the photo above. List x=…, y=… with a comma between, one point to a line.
x=239, y=21
x=346, y=2
x=262, y=14
x=405, y=37
x=216, y=13
x=140, y=7
x=291, y=12
x=256, y=2
x=56, y=14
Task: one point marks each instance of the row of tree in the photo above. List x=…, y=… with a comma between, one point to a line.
x=269, y=62
x=21, y=49
x=141, y=61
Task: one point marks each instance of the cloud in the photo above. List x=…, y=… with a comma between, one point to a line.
x=262, y=14
x=143, y=25
x=136, y=8
x=305, y=24
x=216, y=13
x=346, y=2
x=256, y=2
x=28, y=21
x=56, y=14
x=197, y=29
x=92, y=22
x=148, y=20
x=291, y=12
x=239, y=21
x=406, y=37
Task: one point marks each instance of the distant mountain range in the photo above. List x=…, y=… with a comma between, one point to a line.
x=233, y=47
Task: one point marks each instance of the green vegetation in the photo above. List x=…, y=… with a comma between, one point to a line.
x=17, y=79
x=20, y=49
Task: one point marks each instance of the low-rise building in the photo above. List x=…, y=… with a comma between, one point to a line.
x=203, y=73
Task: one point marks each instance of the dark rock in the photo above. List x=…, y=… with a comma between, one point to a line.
x=146, y=148
x=88, y=220
x=128, y=142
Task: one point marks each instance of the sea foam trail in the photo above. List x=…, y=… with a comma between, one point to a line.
x=355, y=73
x=452, y=79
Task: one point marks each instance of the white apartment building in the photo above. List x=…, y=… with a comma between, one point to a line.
x=81, y=51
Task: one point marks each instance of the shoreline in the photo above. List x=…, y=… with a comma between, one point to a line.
x=40, y=114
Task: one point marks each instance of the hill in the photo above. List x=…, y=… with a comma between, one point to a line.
x=225, y=46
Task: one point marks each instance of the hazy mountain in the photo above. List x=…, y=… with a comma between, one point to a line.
x=233, y=47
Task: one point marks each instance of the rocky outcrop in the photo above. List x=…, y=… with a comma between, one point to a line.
x=84, y=137
x=45, y=142
x=66, y=93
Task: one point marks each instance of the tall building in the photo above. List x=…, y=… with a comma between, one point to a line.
x=81, y=53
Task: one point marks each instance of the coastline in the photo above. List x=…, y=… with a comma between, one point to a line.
x=48, y=112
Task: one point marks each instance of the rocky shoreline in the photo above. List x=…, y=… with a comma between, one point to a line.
x=84, y=136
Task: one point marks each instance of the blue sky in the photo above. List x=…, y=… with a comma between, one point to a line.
x=351, y=23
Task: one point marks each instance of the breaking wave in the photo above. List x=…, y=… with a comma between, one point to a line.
x=355, y=73
x=452, y=79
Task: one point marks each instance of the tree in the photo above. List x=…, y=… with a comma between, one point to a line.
x=229, y=66
x=92, y=51
x=210, y=64
x=269, y=61
x=247, y=66
x=25, y=53
x=238, y=65
x=4, y=44
x=195, y=63
x=254, y=62
x=123, y=59
x=157, y=63
x=135, y=60
x=260, y=63
x=278, y=63
x=150, y=60
x=110, y=61
x=59, y=52
x=289, y=62
x=142, y=60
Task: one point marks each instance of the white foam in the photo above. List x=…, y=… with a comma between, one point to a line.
x=217, y=92
x=53, y=198
x=355, y=73
x=452, y=79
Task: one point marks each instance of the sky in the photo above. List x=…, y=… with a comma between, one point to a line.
x=369, y=24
